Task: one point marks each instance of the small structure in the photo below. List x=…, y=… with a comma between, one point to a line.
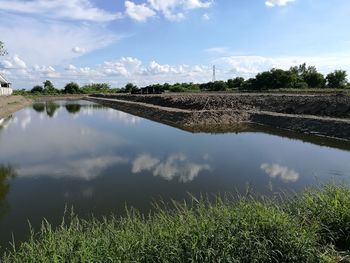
x=5, y=87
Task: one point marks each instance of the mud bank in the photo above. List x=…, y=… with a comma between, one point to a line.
x=11, y=104
x=320, y=115
x=56, y=98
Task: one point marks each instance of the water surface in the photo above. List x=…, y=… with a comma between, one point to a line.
x=99, y=160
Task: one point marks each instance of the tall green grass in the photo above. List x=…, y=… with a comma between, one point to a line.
x=305, y=228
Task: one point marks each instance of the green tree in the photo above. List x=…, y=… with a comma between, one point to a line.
x=220, y=86
x=37, y=89
x=48, y=84
x=235, y=83
x=337, y=79
x=49, y=88
x=71, y=88
x=130, y=88
x=314, y=80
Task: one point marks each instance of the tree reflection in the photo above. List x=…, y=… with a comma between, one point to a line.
x=51, y=108
x=7, y=172
x=39, y=107
x=73, y=108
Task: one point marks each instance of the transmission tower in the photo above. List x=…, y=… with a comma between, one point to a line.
x=214, y=73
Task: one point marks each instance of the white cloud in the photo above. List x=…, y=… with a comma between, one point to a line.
x=175, y=166
x=273, y=3
x=60, y=9
x=79, y=50
x=249, y=66
x=13, y=62
x=139, y=12
x=276, y=170
x=218, y=50
x=206, y=17
x=173, y=10
x=192, y=4
x=129, y=69
x=38, y=41
x=46, y=71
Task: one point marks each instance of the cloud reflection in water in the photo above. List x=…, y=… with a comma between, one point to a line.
x=175, y=166
x=85, y=168
x=276, y=170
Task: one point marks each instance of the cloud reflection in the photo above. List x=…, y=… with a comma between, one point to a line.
x=276, y=170
x=175, y=166
x=84, y=168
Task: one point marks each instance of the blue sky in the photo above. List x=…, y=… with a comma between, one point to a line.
x=151, y=41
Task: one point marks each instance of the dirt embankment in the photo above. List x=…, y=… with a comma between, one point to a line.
x=11, y=104
x=319, y=105
x=61, y=97
x=323, y=115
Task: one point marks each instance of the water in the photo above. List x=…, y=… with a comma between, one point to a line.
x=99, y=160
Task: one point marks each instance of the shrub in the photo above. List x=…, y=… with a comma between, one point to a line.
x=330, y=208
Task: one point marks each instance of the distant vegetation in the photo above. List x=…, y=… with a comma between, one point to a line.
x=310, y=228
x=298, y=78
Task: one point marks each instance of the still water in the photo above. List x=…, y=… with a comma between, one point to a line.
x=100, y=160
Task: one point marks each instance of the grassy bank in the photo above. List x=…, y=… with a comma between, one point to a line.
x=307, y=228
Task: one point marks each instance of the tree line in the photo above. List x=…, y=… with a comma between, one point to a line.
x=297, y=77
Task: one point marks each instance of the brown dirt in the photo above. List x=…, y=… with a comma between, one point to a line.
x=322, y=115
x=11, y=104
x=61, y=97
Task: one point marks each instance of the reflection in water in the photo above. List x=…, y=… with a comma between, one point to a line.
x=39, y=107
x=5, y=122
x=73, y=108
x=99, y=159
x=175, y=166
x=84, y=168
x=51, y=108
x=276, y=170
x=6, y=172
x=122, y=116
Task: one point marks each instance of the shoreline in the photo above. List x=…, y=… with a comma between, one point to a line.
x=11, y=104
x=323, y=116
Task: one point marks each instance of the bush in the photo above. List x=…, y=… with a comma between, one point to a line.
x=330, y=208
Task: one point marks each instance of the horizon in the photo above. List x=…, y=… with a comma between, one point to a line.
x=165, y=41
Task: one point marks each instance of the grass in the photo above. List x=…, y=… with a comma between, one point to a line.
x=305, y=228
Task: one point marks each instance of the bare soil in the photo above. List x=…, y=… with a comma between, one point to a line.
x=11, y=104
x=322, y=115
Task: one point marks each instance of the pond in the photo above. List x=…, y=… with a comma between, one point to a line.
x=98, y=160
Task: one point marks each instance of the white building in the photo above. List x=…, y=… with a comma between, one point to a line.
x=5, y=87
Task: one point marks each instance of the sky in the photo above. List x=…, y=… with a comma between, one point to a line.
x=158, y=41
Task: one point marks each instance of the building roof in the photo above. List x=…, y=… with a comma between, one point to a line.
x=2, y=79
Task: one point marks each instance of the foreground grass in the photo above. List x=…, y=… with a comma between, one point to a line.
x=307, y=228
